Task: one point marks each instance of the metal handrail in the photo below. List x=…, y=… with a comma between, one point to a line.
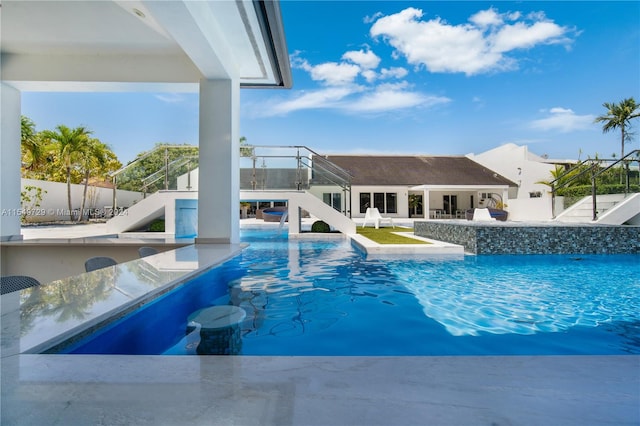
x=308, y=159
x=595, y=175
x=164, y=172
x=593, y=164
x=305, y=158
x=114, y=175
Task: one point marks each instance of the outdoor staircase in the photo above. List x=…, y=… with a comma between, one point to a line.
x=162, y=204
x=158, y=205
x=611, y=209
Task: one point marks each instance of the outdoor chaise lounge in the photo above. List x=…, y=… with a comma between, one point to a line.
x=496, y=214
x=482, y=215
x=372, y=215
x=13, y=283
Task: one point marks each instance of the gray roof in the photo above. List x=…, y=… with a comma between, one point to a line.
x=417, y=170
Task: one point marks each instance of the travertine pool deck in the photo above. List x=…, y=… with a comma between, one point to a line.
x=255, y=390
x=243, y=390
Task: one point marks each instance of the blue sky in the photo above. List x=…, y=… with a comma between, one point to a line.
x=395, y=77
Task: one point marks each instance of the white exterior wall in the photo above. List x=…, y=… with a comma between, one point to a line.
x=530, y=209
x=402, y=199
x=517, y=164
x=54, y=202
x=436, y=200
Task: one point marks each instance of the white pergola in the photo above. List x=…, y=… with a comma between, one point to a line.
x=213, y=48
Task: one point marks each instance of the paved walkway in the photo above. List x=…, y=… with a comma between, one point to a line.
x=64, y=231
x=95, y=229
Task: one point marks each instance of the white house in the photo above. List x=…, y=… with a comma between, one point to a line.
x=529, y=200
x=442, y=186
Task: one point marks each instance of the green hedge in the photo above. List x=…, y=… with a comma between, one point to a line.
x=157, y=225
x=320, y=226
x=585, y=190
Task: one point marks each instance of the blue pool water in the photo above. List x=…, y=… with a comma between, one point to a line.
x=326, y=298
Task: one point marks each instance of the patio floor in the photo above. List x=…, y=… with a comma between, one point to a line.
x=244, y=390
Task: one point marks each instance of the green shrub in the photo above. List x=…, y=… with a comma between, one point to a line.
x=157, y=225
x=585, y=190
x=320, y=226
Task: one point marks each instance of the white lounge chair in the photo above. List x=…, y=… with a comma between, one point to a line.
x=482, y=215
x=372, y=215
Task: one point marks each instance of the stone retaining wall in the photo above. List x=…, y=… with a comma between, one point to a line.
x=510, y=238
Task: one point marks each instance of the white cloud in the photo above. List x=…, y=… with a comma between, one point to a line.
x=476, y=47
x=366, y=60
x=353, y=85
x=393, y=72
x=392, y=97
x=370, y=75
x=170, y=98
x=356, y=99
x=563, y=120
x=486, y=18
x=317, y=99
x=520, y=36
x=333, y=73
x=372, y=18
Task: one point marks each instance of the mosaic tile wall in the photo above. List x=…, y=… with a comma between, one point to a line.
x=530, y=239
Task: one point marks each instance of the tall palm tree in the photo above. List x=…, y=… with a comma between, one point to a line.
x=71, y=143
x=97, y=157
x=619, y=116
x=30, y=144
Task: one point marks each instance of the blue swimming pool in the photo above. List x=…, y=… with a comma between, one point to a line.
x=325, y=298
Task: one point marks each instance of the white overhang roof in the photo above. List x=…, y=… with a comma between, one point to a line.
x=164, y=45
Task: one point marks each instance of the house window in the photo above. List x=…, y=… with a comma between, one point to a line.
x=378, y=201
x=391, y=199
x=450, y=204
x=334, y=199
x=365, y=201
x=385, y=202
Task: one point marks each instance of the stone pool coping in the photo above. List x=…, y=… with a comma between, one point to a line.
x=533, y=238
x=434, y=247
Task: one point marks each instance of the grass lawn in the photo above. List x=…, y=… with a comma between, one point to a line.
x=386, y=236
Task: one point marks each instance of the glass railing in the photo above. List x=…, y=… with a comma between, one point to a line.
x=288, y=167
x=262, y=168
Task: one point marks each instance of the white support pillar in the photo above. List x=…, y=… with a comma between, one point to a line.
x=10, y=106
x=219, y=173
x=425, y=204
x=293, y=209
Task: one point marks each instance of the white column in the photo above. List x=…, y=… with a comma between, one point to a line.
x=425, y=204
x=9, y=163
x=293, y=209
x=219, y=173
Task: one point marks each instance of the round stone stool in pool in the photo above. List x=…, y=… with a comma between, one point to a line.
x=221, y=333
